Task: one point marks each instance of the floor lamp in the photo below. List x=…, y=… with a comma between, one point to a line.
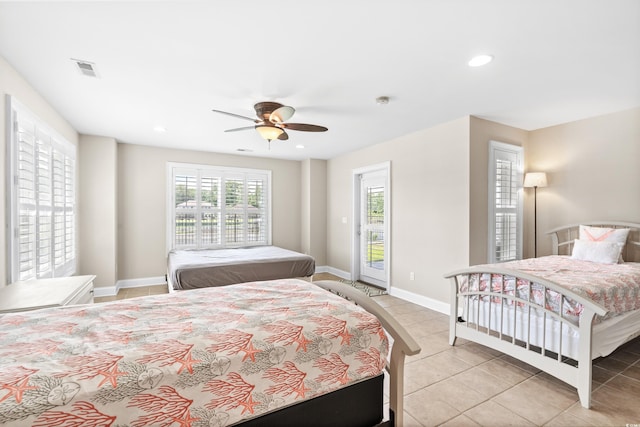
x=535, y=180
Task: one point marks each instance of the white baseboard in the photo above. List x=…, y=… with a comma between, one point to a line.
x=104, y=291
x=430, y=303
x=108, y=291
x=341, y=274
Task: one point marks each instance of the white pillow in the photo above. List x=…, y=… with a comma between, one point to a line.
x=601, y=252
x=604, y=234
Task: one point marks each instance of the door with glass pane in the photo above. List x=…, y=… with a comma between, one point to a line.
x=373, y=241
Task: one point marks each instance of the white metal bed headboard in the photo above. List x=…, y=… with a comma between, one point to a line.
x=564, y=236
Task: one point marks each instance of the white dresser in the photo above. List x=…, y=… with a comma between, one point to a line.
x=43, y=293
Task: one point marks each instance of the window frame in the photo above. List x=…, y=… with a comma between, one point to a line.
x=64, y=190
x=518, y=151
x=223, y=172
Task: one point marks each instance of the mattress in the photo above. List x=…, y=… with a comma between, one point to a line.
x=217, y=355
x=191, y=269
x=607, y=335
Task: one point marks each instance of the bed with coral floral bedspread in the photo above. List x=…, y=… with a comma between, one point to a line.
x=559, y=312
x=203, y=357
x=614, y=286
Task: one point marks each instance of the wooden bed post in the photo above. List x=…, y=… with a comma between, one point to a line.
x=396, y=387
x=403, y=344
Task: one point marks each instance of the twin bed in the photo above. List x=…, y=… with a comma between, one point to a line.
x=280, y=352
x=558, y=312
x=192, y=269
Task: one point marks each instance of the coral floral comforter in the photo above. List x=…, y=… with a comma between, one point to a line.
x=208, y=357
x=614, y=286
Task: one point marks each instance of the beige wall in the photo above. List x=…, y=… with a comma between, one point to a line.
x=481, y=133
x=142, y=187
x=429, y=206
x=593, y=171
x=314, y=209
x=11, y=83
x=98, y=214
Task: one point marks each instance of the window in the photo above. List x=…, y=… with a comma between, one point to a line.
x=41, y=197
x=505, y=202
x=218, y=207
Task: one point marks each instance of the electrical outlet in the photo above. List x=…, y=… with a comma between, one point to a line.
x=412, y=276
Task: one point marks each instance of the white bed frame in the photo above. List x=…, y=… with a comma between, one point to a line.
x=524, y=348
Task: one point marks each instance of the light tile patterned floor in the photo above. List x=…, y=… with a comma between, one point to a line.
x=470, y=385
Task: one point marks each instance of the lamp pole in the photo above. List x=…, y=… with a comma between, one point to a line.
x=535, y=180
x=535, y=222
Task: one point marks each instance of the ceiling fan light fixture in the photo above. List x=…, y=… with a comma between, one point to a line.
x=269, y=132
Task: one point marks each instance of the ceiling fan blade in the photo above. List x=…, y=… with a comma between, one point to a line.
x=283, y=136
x=304, y=127
x=242, y=128
x=281, y=114
x=235, y=115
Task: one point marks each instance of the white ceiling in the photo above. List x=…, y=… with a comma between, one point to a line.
x=169, y=63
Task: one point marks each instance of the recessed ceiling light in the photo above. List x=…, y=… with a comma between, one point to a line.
x=299, y=146
x=480, y=60
x=160, y=129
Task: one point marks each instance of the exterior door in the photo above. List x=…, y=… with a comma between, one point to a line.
x=373, y=238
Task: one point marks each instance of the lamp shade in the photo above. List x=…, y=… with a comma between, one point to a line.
x=269, y=132
x=535, y=179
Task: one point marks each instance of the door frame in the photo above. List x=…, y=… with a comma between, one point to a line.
x=355, y=214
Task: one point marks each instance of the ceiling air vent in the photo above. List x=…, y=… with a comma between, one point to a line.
x=86, y=68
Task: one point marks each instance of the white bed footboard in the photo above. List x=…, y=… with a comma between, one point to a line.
x=403, y=344
x=523, y=327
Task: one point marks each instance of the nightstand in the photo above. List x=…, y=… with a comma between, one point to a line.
x=43, y=293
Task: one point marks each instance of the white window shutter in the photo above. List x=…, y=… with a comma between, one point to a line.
x=42, y=215
x=218, y=207
x=505, y=202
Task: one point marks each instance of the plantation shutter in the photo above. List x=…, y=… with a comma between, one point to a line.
x=505, y=205
x=215, y=207
x=42, y=212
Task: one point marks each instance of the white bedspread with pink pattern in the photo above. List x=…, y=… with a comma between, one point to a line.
x=209, y=356
x=614, y=286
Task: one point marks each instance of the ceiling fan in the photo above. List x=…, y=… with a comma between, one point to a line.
x=272, y=121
